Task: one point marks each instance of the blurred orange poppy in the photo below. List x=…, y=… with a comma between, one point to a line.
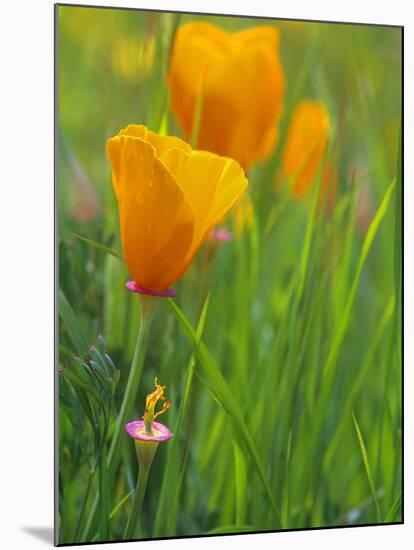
x=238, y=82
x=169, y=199
x=306, y=141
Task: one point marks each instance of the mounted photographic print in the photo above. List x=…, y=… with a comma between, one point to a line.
x=228, y=248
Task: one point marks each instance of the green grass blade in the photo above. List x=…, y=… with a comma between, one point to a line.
x=77, y=382
x=339, y=336
x=75, y=332
x=304, y=261
x=369, y=238
x=119, y=505
x=361, y=375
x=171, y=482
x=103, y=523
x=366, y=465
x=227, y=401
x=240, y=474
x=99, y=246
x=398, y=252
x=392, y=513
x=285, y=501
x=398, y=223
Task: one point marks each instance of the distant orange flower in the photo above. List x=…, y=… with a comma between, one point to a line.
x=306, y=141
x=238, y=81
x=169, y=199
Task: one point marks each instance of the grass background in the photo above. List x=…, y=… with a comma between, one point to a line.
x=289, y=414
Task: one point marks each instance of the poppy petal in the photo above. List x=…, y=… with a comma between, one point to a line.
x=157, y=221
x=242, y=100
x=264, y=33
x=211, y=184
x=196, y=47
x=160, y=143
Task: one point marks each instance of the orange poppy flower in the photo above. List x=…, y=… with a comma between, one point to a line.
x=306, y=141
x=169, y=199
x=238, y=81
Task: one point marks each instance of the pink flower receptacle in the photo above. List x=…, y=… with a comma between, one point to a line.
x=136, y=430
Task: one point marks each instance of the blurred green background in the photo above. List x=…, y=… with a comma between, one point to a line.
x=288, y=304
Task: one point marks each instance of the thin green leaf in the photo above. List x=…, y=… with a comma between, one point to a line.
x=285, y=501
x=398, y=222
x=361, y=375
x=240, y=474
x=366, y=465
x=369, y=238
x=304, y=261
x=75, y=380
x=75, y=332
x=171, y=485
x=392, y=513
x=99, y=246
x=103, y=524
x=338, y=338
x=227, y=400
x=119, y=505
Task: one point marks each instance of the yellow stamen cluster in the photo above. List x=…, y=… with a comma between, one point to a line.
x=152, y=399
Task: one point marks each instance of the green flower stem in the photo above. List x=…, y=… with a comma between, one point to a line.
x=145, y=452
x=83, y=507
x=103, y=482
x=131, y=389
x=147, y=311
